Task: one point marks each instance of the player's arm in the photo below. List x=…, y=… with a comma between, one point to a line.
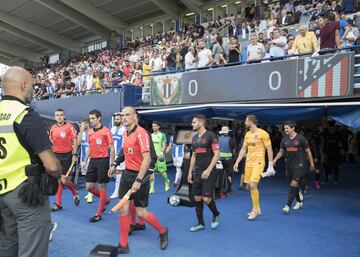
x=168, y=148
x=163, y=144
x=119, y=159
x=280, y=153
x=75, y=149
x=309, y=155
x=110, y=142
x=240, y=156
x=112, y=153
x=278, y=156
x=213, y=162
x=270, y=153
x=87, y=154
x=192, y=165
x=310, y=158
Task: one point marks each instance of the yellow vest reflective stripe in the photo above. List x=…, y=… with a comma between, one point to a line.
x=13, y=156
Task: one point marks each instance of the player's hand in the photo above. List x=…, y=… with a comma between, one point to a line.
x=136, y=186
x=189, y=178
x=312, y=167
x=274, y=162
x=205, y=174
x=111, y=171
x=236, y=167
x=74, y=159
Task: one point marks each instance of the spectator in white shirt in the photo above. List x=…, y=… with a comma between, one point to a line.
x=89, y=81
x=190, y=60
x=156, y=62
x=204, y=56
x=278, y=44
x=255, y=51
x=134, y=57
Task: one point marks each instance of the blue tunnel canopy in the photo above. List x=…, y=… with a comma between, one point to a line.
x=347, y=113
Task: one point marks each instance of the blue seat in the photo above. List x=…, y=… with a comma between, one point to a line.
x=356, y=79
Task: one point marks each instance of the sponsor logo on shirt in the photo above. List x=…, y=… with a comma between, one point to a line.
x=130, y=150
x=200, y=150
x=63, y=134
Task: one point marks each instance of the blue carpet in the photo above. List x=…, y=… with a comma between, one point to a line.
x=328, y=225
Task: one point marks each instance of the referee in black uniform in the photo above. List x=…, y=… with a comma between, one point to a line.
x=298, y=157
x=25, y=152
x=202, y=172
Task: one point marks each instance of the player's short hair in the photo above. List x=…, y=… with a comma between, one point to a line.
x=156, y=123
x=117, y=114
x=200, y=117
x=290, y=123
x=253, y=118
x=85, y=120
x=95, y=112
x=59, y=110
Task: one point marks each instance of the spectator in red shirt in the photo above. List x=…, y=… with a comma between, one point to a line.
x=100, y=141
x=329, y=32
x=136, y=153
x=127, y=69
x=64, y=139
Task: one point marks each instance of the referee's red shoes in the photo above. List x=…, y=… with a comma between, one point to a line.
x=164, y=239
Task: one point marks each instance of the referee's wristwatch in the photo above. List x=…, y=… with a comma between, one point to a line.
x=139, y=180
x=114, y=164
x=75, y=154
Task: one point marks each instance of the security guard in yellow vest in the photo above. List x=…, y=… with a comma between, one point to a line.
x=25, y=155
x=227, y=146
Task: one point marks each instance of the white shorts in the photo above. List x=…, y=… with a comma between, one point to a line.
x=178, y=161
x=121, y=166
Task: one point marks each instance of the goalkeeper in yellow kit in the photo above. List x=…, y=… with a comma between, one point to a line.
x=256, y=142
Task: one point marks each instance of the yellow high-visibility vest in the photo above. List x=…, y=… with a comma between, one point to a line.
x=13, y=156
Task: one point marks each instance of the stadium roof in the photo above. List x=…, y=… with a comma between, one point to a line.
x=30, y=29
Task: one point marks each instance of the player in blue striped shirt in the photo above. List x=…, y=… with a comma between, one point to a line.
x=178, y=157
x=118, y=131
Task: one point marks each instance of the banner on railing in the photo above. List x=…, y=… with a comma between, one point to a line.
x=323, y=76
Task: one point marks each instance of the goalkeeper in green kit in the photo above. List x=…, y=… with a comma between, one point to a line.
x=159, y=140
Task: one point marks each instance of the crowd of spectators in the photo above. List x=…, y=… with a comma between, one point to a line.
x=259, y=35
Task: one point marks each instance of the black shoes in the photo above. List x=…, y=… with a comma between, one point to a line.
x=76, y=200
x=139, y=227
x=56, y=207
x=95, y=218
x=123, y=249
x=164, y=239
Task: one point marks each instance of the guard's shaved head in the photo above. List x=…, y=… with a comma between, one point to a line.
x=18, y=82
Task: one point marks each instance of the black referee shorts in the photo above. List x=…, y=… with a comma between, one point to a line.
x=65, y=160
x=98, y=170
x=297, y=174
x=141, y=197
x=204, y=187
